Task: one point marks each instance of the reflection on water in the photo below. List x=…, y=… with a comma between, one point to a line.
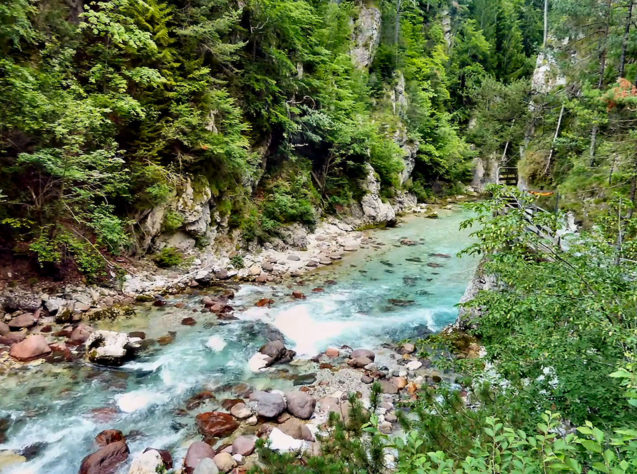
x=385, y=292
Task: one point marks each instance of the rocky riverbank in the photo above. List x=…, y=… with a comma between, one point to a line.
x=320, y=385
x=44, y=310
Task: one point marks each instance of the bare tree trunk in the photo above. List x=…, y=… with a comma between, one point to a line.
x=546, y=22
x=557, y=133
x=604, y=46
x=591, y=152
x=629, y=19
x=399, y=4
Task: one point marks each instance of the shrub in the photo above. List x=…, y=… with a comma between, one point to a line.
x=168, y=257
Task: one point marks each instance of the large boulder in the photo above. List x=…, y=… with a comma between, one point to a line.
x=33, y=347
x=215, y=424
x=375, y=211
x=196, y=453
x=268, y=405
x=110, y=347
x=300, y=404
x=106, y=460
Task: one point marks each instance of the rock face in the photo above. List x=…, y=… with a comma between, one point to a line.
x=31, y=348
x=215, y=424
x=196, y=453
x=547, y=75
x=110, y=347
x=268, y=405
x=106, y=460
x=300, y=404
x=366, y=36
x=375, y=211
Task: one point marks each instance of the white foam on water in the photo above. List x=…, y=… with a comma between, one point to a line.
x=138, y=400
x=308, y=334
x=216, y=343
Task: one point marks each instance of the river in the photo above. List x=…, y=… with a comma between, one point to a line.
x=383, y=293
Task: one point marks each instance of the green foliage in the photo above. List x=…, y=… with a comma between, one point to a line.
x=172, y=221
x=168, y=257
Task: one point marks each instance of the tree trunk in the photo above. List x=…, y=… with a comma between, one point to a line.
x=629, y=19
x=604, y=47
x=546, y=22
x=593, y=144
x=557, y=133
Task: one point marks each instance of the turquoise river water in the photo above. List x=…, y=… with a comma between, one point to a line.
x=53, y=411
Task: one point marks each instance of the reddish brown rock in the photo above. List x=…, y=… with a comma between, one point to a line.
x=196, y=400
x=12, y=338
x=215, y=424
x=31, y=348
x=80, y=334
x=318, y=290
x=59, y=353
x=46, y=329
x=4, y=329
x=299, y=295
x=265, y=302
x=107, y=437
x=228, y=403
x=189, y=321
x=106, y=460
x=332, y=352
x=104, y=414
x=399, y=382
x=196, y=452
x=25, y=320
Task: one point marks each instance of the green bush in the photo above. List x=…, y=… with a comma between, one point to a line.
x=168, y=257
x=172, y=221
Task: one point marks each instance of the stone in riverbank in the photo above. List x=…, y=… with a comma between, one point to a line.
x=148, y=462
x=105, y=460
x=110, y=347
x=277, y=353
x=268, y=405
x=244, y=445
x=363, y=353
x=197, y=452
x=215, y=424
x=33, y=347
x=300, y=404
